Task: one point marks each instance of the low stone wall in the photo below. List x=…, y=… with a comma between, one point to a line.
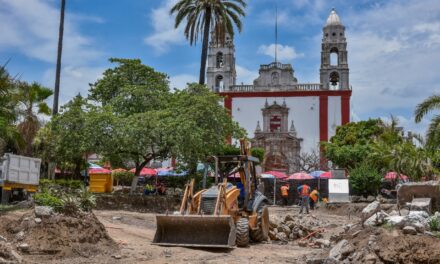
x=138, y=203
x=430, y=189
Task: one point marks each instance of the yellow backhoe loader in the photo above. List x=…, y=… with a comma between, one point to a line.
x=222, y=216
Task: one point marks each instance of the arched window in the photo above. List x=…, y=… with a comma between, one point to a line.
x=334, y=81
x=334, y=57
x=219, y=60
x=219, y=83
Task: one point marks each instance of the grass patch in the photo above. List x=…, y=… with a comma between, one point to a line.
x=7, y=208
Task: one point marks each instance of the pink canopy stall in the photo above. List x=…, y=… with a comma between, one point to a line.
x=300, y=176
x=277, y=174
x=145, y=172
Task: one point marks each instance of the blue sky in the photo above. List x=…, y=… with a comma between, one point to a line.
x=394, y=46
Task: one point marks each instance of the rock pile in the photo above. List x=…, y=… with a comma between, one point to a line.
x=306, y=229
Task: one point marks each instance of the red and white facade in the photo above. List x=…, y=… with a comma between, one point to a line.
x=315, y=110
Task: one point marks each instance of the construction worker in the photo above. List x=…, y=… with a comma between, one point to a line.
x=304, y=192
x=314, y=195
x=285, y=193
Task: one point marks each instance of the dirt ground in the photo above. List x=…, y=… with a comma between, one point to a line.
x=135, y=231
x=125, y=237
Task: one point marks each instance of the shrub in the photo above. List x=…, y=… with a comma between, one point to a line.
x=365, y=179
x=87, y=200
x=434, y=224
x=71, y=205
x=123, y=177
x=47, y=199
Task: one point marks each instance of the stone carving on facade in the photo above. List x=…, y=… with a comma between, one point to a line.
x=280, y=143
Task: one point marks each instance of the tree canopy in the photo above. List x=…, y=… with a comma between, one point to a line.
x=380, y=145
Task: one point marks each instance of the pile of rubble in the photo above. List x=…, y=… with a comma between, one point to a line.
x=389, y=237
x=306, y=229
x=411, y=222
x=43, y=232
x=7, y=252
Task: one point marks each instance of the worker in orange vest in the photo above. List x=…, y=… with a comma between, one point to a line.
x=304, y=192
x=285, y=193
x=313, y=198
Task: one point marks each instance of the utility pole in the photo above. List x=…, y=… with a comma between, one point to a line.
x=60, y=51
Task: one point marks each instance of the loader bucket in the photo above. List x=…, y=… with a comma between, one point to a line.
x=195, y=231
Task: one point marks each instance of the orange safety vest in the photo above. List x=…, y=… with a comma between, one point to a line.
x=284, y=191
x=305, y=191
x=314, y=195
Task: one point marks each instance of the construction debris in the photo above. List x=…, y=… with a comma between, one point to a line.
x=306, y=229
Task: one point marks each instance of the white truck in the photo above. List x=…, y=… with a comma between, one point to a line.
x=19, y=176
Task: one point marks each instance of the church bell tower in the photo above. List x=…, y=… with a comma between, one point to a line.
x=221, y=74
x=334, y=72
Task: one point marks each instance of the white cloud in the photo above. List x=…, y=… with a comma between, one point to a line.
x=394, y=54
x=74, y=80
x=164, y=34
x=285, y=53
x=31, y=26
x=245, y=75
x=181, y=80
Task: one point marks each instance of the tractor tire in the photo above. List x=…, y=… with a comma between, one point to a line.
x=242, y=229
x=262, y=233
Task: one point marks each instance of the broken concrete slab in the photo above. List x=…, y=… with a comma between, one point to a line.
x=429, y=189
x=369, y=210
x=376, y=219
x=421, y=204
x=396, y=220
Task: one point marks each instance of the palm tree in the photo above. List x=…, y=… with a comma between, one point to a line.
x=9, y=136
x=31, y=102
x=433, y=133
x=204, y=15
x=60, y=51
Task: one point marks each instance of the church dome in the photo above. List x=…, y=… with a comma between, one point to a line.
x=333, y=19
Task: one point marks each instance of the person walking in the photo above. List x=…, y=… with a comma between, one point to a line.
x=285, y=193
x=304, y=192
x=314, y=195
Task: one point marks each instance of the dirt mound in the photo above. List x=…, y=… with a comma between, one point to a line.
x=390, y=246
x=8, y=254
x=58, y=235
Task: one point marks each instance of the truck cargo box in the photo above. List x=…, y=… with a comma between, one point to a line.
x=19, y=169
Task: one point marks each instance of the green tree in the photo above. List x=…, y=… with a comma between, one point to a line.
x=131, y=87
x=31, y=103
x=201, y=124
x=131, y=125
x=72, y=138
x=352, y=142
x=202, y=16
x=424, y=108
x=365, y=179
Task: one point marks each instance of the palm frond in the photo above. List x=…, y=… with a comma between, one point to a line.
x=431, y=103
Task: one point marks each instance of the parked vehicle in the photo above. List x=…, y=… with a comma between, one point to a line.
x=19, y=177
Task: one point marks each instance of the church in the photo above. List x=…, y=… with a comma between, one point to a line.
x=284, y=116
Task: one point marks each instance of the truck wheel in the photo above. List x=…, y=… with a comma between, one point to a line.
x=242, y=239
x=262, y=233
x=5, y=196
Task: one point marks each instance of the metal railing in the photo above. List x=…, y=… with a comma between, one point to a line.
x=295, y=87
